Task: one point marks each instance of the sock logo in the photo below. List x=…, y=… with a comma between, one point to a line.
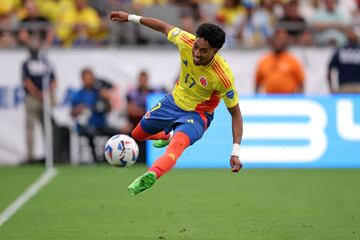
x=172, y=156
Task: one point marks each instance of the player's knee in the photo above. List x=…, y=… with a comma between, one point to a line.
x=180, y=140
x=179, y=143
x=136, y=134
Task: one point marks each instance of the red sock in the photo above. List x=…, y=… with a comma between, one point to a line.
x=140, y=135
x=177, y=145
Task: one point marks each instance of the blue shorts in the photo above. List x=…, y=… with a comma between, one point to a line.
x=167, y=116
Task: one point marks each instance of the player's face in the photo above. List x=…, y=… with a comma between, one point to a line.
x=202, y=52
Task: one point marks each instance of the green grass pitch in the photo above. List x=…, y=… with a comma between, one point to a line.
x=91, y=202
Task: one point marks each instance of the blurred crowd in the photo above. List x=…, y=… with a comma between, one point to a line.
x=248, y=23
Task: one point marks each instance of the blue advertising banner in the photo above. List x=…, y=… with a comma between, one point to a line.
x=280, y=132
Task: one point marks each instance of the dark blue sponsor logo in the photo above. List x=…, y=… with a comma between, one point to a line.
x=11, y=97
x=230, y=94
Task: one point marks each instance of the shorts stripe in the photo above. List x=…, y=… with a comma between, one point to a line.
x=204, y=118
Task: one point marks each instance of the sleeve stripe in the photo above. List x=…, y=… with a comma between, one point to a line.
x=220, y=75
x=223, y=73
x=187, y=40
x=225, y=80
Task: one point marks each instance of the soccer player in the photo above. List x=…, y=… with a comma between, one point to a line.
x=204, y=79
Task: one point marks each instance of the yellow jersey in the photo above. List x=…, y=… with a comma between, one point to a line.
x=200, y=88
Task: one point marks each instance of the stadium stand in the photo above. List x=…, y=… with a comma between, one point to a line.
x=85, y=22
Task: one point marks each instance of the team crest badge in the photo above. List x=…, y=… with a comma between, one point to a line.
x=230, y=94
x=203, y=81
x=147, y=115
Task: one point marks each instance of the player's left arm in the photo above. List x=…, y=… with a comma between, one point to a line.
x=237, y=132
x=231, y=100
x=153, y=23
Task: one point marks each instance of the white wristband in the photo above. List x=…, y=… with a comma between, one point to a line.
x=134, y=18
x=235, y=150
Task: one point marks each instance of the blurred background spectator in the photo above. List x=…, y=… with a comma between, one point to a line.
x=8, y=24
x=227, y=15
x=346, y=63
x=329, y=22
x=356, y=18
x=279, y=72
x=136, y=98
x=229, y=11
x=81, y=25
x=35, y=70
x=295, y=24
x=90, y=106
x=34, y=27
x=136, y=105
x=255, y=26
x=190, y=13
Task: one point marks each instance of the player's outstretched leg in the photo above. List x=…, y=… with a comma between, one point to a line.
x=162, y=165
x=179, y=142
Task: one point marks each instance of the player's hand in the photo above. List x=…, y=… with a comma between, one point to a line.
x=119, y=16
x=235, y=164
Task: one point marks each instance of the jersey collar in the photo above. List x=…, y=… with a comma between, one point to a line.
x=212, y=61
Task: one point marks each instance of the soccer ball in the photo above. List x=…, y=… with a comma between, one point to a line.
x=121, y=151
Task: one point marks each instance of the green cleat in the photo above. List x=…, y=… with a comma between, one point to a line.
x=161, y=143
x=142, y=183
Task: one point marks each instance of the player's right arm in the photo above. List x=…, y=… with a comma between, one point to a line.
x=153, y=23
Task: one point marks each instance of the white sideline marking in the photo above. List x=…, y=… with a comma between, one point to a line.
x=44, y=179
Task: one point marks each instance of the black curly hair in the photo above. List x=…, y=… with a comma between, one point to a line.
x=212, y=33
